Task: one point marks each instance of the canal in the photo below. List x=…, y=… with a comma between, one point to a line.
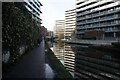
x=88, y=62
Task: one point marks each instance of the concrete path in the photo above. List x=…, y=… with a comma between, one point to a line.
x=32, y=64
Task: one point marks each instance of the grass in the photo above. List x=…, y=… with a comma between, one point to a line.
x=58, y=66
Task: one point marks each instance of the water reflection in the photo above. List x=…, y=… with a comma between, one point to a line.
x=92, y=63
x=58, y=49
x=87, y=62
x=48, y=71
x=66, y=55
x=69, y=58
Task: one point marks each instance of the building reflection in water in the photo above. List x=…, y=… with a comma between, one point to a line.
x=66, y=55
x=94, y=64
x=69, y=58
x=87, y=62
x=58, y=49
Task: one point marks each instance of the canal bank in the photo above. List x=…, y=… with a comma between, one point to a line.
x=57, y=66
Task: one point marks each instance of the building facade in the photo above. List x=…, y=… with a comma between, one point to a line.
x=43, y=31
x=98, y=17
x=70, y=19
x=34, y=6
x=59, y=27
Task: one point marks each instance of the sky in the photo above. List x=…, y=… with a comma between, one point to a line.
x=54, y=10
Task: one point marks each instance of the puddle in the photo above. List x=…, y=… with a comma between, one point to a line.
x=48, y=71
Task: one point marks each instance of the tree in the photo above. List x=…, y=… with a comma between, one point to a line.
x=61, y=36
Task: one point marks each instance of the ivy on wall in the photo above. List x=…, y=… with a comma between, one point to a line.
x=18, y=28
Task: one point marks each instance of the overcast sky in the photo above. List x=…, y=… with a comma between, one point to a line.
x=54, y=10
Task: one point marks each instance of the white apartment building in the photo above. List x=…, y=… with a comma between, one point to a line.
x=59, y=27
x=70, y=19
x=34, y=7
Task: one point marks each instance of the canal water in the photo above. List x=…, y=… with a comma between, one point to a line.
x=85, y=62
x=49, y=72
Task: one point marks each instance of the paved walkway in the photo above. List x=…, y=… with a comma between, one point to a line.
x=32, y=64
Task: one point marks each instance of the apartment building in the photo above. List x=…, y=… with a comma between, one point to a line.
x=98, y=19
x=34, y=6
x=43, y=31
x=59, y=27
x=70, y=19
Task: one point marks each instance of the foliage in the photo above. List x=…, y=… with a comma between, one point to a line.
x=18, y=29
x=61, y=36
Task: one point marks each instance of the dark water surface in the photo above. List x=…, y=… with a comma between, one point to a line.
x=84, y=62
